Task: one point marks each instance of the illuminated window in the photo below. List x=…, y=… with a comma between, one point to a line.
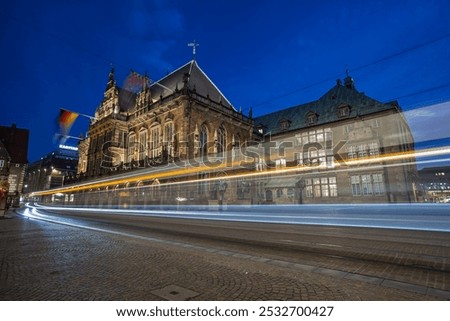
x=155, y=141
x=356, y=185
x=142, y=144
x=366, y=183
x=221, y=140
x=168, y=137
x=203, y=141
x=131, y=146
x=378, y=184
x=321, y=187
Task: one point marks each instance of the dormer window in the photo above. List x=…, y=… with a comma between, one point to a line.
x=311, y=118
x=285, y=124
x=260, y=129
x=343, y=111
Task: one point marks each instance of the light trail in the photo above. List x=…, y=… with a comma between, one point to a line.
x=175, y=172
x=427, y=217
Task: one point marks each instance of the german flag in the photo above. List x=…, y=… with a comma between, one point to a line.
x=65, y=120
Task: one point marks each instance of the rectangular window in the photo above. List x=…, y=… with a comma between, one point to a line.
x=351, y=152
x=378, y=184
x=362, y=151
x=333, y=186
x=305, y=138
x=2, y=163
x=356, y=185
x=299, y=159
x=330, y=161
x=309, y=190
x=366, y=184
x=317, y=190
x=374, y=150
x=321, y=187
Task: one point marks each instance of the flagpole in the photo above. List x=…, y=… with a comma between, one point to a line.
x=74, y=137
x=84, y=115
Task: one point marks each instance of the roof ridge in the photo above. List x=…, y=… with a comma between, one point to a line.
x=169, y=74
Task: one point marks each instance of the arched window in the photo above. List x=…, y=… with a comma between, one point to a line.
x=131, y=147
x=236, y=152
x=142, y=144
x=221, y=140
x=203, y=141
x=168, y=138
x=155, y=141
x=279, y=192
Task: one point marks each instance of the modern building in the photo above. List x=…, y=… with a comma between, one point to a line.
x=52, y=170
x=435, y=184
x=180, y=139
x=15, y=140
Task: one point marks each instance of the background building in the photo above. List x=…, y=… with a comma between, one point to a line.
x=435, y=184
x=52, y=170
x=4, y=173
x=15, y=140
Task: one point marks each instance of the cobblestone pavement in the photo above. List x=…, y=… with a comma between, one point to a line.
x=47, y=261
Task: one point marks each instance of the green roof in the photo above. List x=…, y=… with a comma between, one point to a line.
x=325, y=109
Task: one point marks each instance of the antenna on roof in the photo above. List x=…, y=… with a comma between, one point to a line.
x=193, y=45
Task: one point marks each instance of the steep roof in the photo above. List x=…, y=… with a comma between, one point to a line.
x=325, y=108
x=194, y=77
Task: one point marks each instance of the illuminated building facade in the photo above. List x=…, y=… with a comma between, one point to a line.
x=52, y=170
x=350, y=149
x=180, y=140
x=435, y=184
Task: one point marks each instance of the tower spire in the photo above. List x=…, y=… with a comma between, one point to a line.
x=111, y=81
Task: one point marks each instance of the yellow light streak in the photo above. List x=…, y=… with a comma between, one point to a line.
x=188, y=172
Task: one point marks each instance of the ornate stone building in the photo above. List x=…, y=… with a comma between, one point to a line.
x=346, y=147
x=181, y=118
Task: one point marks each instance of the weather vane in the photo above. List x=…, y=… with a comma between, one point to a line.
x=193, y=45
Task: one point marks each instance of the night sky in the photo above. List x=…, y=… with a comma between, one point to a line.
x=267, y=55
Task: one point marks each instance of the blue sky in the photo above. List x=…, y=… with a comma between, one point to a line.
x=267, y=55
